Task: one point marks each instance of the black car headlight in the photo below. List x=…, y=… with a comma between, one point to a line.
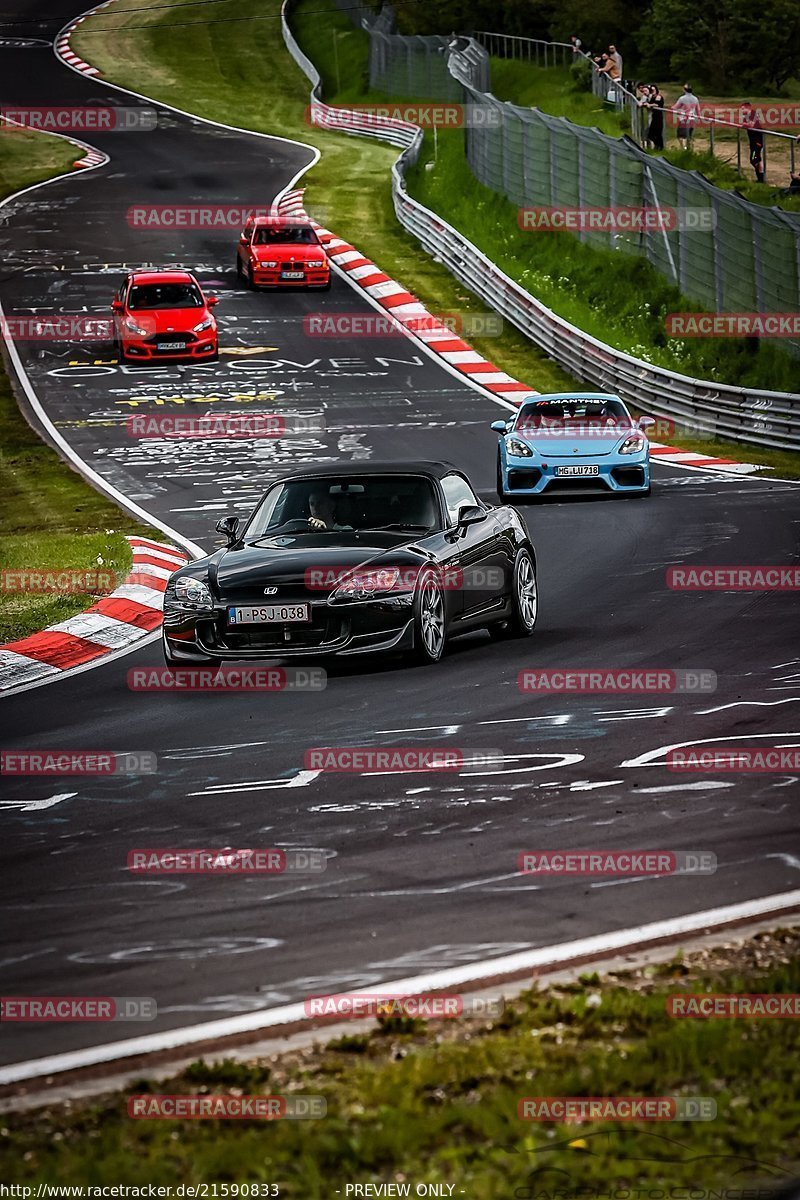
x=518, y=449
x=364, y=585
x=191, y=592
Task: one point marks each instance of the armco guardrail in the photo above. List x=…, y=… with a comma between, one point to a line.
x=747, y=415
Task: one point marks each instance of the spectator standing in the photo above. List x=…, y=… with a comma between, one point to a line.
x=687, y=110
x=755, y=137
x=576, y=46
x=655, y=130
x=614, y=54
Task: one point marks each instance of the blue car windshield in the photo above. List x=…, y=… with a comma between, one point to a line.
x=573, y=416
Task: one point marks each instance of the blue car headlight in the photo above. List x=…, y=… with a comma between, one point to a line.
x=633, y=444
x=517, y=448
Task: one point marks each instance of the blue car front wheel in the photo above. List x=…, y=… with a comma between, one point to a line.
x=501, y=492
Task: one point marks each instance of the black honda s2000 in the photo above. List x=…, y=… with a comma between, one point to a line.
x=355, y=559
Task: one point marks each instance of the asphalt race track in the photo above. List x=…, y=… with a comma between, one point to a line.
x=421, y=868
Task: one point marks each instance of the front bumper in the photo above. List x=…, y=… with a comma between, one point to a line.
x=620, y=473
x=204, y=346
x=343, y=629
x=265, y=277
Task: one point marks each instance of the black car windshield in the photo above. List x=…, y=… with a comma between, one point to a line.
x=402, y=503
x=165, y=295
x=572, y=415
x=284, y=235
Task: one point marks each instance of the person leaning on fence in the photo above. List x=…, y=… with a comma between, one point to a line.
x=755, y=137
x=654, y=137
x=576, y=46
x=687, y=110
x=611, y=71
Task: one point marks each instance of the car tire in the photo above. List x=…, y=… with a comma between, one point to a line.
x=246, y=278
x=524, y=600
x=430, y=621
x=326, y=287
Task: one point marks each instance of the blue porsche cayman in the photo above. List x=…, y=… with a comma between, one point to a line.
x=568, y=442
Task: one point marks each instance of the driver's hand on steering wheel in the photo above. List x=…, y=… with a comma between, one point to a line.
x=317, y=523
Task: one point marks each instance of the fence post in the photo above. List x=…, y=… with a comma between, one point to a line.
x=719, y=277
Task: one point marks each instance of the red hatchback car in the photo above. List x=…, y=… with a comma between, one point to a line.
x=164, y=315
x=278, y=252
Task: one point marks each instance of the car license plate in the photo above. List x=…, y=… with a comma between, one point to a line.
x=578, y=470
x=292, y=275
x=172, y=345
x=265, y=614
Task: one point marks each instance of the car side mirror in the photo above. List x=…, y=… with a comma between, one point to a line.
x=117, y=305
x=470, y=514
x=212, y=300
x=243, y=240
x=229, y=526
x=498, y=426
x=646, y=422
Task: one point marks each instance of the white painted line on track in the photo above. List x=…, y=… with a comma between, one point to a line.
x=509, y=966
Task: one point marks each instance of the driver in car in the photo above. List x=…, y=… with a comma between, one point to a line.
x=323, y=512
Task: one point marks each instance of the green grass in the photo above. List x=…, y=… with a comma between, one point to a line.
x=439, y=1103
x=49, y=516
x=217, y=72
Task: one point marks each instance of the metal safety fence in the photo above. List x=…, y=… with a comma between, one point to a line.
x=727, y=139
x=752, y=416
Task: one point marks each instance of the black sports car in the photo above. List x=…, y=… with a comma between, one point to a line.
x=351, y=560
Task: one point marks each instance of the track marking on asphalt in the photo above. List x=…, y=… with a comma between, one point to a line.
x=511, y=965
x=648, y=758
x=301, y=779
x=36, y=805
x=700, y=785
x=704, y=712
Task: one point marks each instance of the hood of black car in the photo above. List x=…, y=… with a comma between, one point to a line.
x=292, y=560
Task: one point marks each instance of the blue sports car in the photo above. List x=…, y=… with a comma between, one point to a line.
x=568, y=442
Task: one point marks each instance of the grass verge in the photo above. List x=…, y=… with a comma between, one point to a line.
x=215, y=71
x=49, y=516
x=436, y=1102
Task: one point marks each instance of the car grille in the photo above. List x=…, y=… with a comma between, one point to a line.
x=526, y=478
x=323, y=628
x=629, y=476
x=170, y=337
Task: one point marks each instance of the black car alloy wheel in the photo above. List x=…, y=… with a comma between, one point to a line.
x=524, y=600
x=429, y=619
